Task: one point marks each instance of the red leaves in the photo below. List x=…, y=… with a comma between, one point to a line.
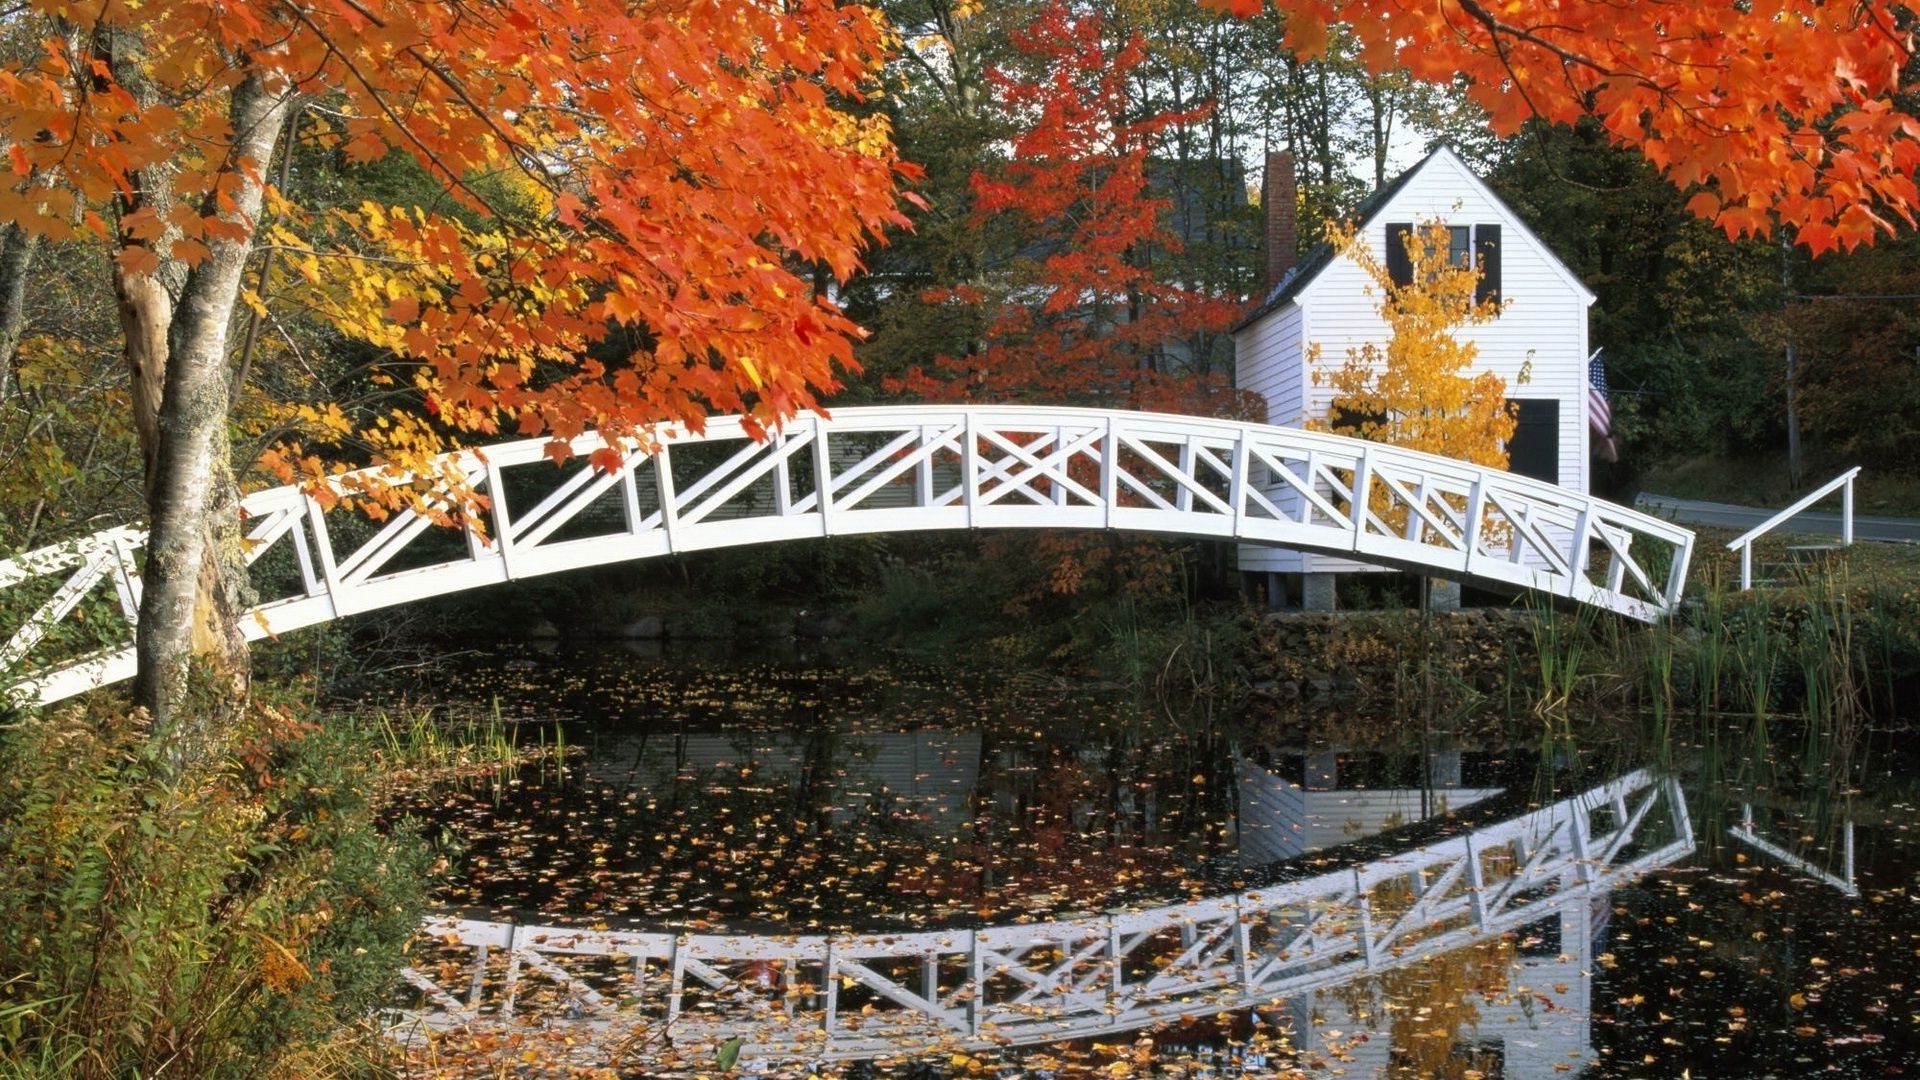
x=1786, y=110
x=1084, y=319
x=137, y=260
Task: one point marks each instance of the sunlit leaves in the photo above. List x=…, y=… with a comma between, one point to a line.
x=1416, y=390
x=673, y=176
x=1786, y=111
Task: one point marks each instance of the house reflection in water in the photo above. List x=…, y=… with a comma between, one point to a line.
x=1305, y=802
x=1519, y=1006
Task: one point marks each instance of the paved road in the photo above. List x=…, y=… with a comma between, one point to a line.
x=1810, y=522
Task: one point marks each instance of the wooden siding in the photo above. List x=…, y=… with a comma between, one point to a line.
x=1542, y=329
x=1269, y=809
x=1279, y=819
x=1269, y=359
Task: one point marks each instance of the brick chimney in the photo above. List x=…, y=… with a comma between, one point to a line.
x=1278, y=193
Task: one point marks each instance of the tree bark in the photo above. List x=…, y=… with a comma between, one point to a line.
x=145, y=303
x=190, y=604
x=144, y=300
x=1793, y=368
x=17, y=250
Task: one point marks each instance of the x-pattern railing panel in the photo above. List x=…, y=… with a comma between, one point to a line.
x=843, y=996
x=882, y=470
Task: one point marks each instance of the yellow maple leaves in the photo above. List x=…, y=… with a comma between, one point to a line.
x=1415, y=390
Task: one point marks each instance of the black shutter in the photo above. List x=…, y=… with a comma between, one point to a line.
x=1486, y=252
x=1399, y=263
x=1534, y=449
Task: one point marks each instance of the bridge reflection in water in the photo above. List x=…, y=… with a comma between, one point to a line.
x=1540, y=876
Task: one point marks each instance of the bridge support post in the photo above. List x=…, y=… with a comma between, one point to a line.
x=1316, y=592
x=1276, y=591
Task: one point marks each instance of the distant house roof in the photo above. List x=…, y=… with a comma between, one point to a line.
x=1320, y=256
x=1190, y=188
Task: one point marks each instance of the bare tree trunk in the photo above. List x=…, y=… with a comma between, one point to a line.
x=144, y=299
x=1380, y=119
x=17, y=250
x=190, y=605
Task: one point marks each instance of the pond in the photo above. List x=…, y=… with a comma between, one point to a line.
x=786, y=799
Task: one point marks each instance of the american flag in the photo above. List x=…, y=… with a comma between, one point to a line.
x=1599, y=413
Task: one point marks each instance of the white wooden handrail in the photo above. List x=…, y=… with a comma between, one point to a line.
x=1744, y=545
x=879, y=469
x=1747, y=833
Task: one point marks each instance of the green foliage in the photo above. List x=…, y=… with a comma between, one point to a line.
x=68, y=452
x=95, y=623
x=1856, y=327
x=938, y=602
x=832, y=567
x=230, y=920
x=1680, y=308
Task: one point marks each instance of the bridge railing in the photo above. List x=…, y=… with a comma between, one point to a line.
x=863, y=995
x=871, y=470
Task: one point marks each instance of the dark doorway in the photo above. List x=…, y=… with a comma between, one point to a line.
x=1534, y=449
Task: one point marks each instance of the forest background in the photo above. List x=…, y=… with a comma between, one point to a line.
x=1091, y=230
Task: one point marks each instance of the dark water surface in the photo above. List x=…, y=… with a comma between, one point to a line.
x=789, y=798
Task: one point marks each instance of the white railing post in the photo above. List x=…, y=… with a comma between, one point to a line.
x=1846, y=511
x=1847, y=862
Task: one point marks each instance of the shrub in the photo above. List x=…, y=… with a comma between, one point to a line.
x=226, y=919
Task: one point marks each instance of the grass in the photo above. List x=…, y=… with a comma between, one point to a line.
x=1761, y=480
x=1867, y=561
x=416, y=747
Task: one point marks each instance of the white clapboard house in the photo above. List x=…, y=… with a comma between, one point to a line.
x=1538, y=344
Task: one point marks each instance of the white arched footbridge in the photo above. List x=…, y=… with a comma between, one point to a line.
x=873, y=470
x=820, y=997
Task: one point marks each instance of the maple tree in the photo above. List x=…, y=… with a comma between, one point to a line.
x=1080, y=314
x=681, y=149
x=1415, y=390
x=1781, y=113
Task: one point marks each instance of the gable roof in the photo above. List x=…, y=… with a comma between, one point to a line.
x=1321, y=255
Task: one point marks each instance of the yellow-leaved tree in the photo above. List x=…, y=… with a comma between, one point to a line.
x=1417, y=389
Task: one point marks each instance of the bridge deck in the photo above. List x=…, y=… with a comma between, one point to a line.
x=870, y=470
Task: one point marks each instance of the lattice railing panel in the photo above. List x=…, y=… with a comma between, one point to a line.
x=871, y=471
x=826, y=997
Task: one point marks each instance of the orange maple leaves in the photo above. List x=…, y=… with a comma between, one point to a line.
x=1782, y=112
x=695, y=161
